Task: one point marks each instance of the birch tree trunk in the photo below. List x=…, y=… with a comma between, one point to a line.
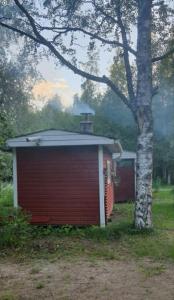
x=143, y=201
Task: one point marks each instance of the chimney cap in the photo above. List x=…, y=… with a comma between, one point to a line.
x=82, y=109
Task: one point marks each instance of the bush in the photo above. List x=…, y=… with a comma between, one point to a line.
x=6, y=194
x=14, y=228
x=40, y=231
x=5, y=166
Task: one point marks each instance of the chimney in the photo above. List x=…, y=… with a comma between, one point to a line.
x=86, y=126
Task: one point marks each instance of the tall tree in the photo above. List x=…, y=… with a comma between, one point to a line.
x=164, y=122
x=89, y=89
x=109, y=22
x=17, y=75
x=15, y=95
x=110, y=105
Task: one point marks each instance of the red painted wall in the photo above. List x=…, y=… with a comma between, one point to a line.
x=125, y=191
x=59, y=185
x=109, y=187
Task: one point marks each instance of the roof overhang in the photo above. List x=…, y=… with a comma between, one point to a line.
x=115, y=148
x=60, y=138
x=125, y=155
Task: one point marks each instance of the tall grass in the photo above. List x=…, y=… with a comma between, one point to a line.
x=15, y=230
x=6, y=195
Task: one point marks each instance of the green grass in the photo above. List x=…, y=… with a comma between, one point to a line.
x=150, y=271
x=7, y=296
x=6, y=195
x=163, y=209
x=39, y=285
x=119, y=240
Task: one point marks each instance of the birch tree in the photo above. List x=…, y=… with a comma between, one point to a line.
x=61, y=26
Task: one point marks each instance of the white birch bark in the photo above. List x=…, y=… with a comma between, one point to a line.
x=143, y=215
x=143, y=201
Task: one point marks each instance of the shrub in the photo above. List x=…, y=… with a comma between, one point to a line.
x=5, y=166
x=14, y=228
x=47, y=230
x=6, y=194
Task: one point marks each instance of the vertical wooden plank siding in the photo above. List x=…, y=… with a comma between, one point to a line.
x=126, y=187
x=59, y=185
x=109, y=187
x=15, y=191
x=101, y=186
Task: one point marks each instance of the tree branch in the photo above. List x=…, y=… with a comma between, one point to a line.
x=126, y=57
x=30, y=19
x=20, y=32
x=165, y=55
x=98, y=8
x=82, y=73
x=92, y=35
x=41, y=40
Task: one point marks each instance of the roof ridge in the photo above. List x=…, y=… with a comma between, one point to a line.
x=55, y=129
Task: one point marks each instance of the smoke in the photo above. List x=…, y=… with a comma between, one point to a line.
x=55, y=103
x=163, y=111
x=82, y=108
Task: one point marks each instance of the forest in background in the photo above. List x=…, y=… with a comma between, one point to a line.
x=112, y=118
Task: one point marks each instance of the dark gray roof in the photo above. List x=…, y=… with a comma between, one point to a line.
x=62, y=138
x=125, y=155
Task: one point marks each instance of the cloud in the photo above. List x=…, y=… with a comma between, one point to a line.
x=44, y=90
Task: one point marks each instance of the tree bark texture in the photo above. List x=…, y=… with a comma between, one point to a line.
x=143, y=218
x=143, y=202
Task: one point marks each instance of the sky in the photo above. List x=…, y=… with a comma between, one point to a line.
x=62, y=81
x=56, y=79
x=59, y=80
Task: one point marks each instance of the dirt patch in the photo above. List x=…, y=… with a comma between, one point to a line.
x=83, y=280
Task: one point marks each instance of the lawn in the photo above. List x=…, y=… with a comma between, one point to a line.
x=118, y=240
x=117, y=262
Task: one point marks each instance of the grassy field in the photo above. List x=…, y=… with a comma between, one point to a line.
x=118, y=240
x=68, y=263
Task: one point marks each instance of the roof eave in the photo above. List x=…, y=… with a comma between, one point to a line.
x=113, y=146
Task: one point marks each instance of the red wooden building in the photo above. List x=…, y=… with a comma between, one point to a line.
x=64, y=177
x=126, y=180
